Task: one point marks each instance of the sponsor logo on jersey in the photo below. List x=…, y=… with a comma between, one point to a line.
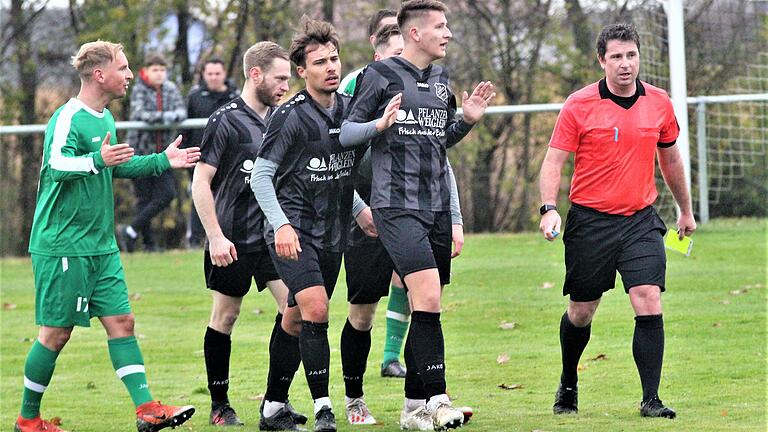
x=441, y=91
x=405, y=117
x=317, y=165
x=247, y=166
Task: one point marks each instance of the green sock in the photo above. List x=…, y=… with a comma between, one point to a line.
x=129, y=365
x=398, y=314
x=38, y=370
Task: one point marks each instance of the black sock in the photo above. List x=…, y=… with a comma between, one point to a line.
x=426, y=336
x=284, y=360
x=217, y=348
x=648, y=350
x=355, y=346
x=573, y=340
x=316, y=355
x=414, y=387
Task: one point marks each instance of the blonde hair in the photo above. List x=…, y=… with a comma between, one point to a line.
x=92, y=55
x=261, y=55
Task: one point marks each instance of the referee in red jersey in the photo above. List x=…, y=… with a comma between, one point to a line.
x=615, y=127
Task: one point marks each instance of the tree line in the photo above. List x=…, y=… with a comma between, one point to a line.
x=535, y=51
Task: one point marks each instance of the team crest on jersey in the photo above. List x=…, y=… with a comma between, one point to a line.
x=441, y=91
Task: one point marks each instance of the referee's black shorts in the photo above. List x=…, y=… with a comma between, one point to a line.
x=314, y=267
x=234, y=280
x=598, y=244
x=369, y=270
x=416, y=240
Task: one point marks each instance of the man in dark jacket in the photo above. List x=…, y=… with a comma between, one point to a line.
x=213, y=91
x=154, y=100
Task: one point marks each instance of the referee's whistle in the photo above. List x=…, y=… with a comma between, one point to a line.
x=615, y=134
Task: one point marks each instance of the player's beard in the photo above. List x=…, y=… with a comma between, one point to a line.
x=265, y=95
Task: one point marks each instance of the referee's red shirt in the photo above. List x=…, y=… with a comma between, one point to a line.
x=615, y=147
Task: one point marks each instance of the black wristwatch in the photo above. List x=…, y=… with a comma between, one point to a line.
x=546, y=207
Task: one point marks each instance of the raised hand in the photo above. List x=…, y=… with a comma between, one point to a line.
x=115, y=154
x=182, y=158
x=390, y=113
x=474, y=106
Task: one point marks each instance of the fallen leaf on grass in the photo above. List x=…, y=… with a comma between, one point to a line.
x=510, y=386
x=726, y=302
x=135, y=296
x=257, y=397
x=56, y=421
x=717, y=325
x=740, y=292
x=257, y=311
x=580, y=367
x=9, y=306
x=724, y=413
x=502, y=358
x=26, y=339
x=547, y=285
x=599, y=357
x=91, y=385
x=507, y=325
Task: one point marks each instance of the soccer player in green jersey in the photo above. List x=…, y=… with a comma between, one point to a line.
x=75, y=259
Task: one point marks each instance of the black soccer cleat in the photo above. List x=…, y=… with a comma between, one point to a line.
x=298, y=417
x=653, y=407
x=282, y=420
x=225, y=415
x=566, y=400
x=393, y=369
x=325, y=421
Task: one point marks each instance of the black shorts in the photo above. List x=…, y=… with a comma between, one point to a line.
x=234, y=280
x=369, y=271
x=597, y=244
x=314, y=267
x=416, y=240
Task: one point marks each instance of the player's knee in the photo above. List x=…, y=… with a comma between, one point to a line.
x=55, y=341
x=361, y=322
x=315, y=310
x=580, y=316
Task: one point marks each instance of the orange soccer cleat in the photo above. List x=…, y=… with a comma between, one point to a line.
x=153, y=416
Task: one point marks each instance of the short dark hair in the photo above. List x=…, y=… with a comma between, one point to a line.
x=311, y=32
x=416, y=8
x=385, y=33
x=620, y=31
x=155, y=59
x=212, y=60
x=373, y=24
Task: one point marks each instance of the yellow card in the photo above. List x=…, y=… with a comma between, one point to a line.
x=672, y=242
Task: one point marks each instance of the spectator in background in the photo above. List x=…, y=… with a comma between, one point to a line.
x=213, y=91
x=154, y=100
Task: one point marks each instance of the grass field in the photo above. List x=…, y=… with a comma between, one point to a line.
x=714, y=371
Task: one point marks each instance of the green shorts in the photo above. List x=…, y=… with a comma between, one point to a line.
x=69, y=291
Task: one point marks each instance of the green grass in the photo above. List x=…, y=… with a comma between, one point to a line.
x=714, y=371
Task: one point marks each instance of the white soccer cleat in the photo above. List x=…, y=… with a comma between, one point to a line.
x=418, y=419
x=358, y=414
x=445, y=416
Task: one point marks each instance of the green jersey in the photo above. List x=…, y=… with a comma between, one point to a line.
x=75, y=215
x=347, y=85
